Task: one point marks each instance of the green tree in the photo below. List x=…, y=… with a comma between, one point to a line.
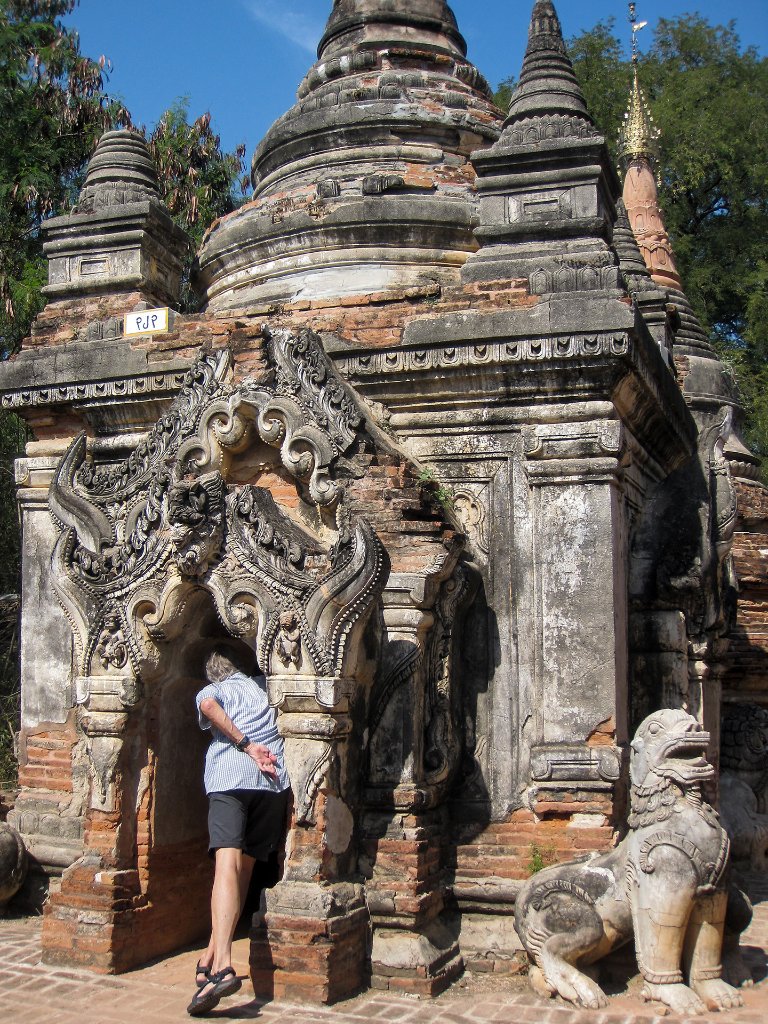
x=52, y=109
x=709, y=97
x=200, y=183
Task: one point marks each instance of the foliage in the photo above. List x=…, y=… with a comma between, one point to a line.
x=52, y=109
x=200, y=182
x=503, y=95
x=436, y=492
x=709, y=98
x=541, y=857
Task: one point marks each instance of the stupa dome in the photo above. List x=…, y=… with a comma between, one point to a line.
x=365, y=184
x=121, y=171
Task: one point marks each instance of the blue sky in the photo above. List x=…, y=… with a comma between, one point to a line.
x=243, y=59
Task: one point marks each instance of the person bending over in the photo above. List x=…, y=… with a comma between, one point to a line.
x=248, y=791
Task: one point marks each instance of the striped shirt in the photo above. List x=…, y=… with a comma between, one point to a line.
x=244, y=701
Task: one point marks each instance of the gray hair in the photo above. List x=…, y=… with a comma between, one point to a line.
x=226, y=659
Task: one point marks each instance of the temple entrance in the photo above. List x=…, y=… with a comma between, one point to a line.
x=172, y=835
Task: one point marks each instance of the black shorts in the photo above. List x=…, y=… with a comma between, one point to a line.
x=251, y=820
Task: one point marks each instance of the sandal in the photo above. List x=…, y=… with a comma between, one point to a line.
x=225, y=983
x=206, y=972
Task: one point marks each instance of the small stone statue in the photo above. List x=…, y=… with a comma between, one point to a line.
x=13, y=864
x=289, y=640
x=664, y=885
x=744, y=783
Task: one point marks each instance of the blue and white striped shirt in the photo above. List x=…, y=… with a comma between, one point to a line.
x=244, y=700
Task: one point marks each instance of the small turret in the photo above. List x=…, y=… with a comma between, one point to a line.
x=119, y=237
x=547, y=188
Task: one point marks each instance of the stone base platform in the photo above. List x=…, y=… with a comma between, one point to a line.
x=158, y=994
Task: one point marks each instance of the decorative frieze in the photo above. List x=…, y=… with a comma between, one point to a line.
x=101, y=390
x=363, y=365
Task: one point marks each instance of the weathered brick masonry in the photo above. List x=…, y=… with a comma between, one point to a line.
x=439, y=448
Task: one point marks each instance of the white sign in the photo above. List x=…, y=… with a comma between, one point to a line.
x=148, y=321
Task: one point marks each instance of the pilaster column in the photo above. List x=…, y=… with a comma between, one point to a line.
x=579, y=561
x=313, y=942
x=103, y=885
x=50, y=809
x=412, y=949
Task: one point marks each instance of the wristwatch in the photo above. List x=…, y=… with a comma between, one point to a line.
x=244, y=742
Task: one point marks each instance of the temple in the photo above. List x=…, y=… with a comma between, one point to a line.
x=447, y=446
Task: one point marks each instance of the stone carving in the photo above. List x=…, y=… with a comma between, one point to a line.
x=137, y=539
x=570, y=762
x=417, y=684
x=664, y=885
x=442, y=733
x=169, y=503
x=146, y=385
x=567, y=276
x=687, y=567
x=533, y=131
x=104, y=702
x=196, y=518
x=378, y=184
x=470, y=506
x=516, y=350
x=13, y=864
x=744, y=783
x=112, y=645
x=288, y=646
x=305, y=372
x=102, y=330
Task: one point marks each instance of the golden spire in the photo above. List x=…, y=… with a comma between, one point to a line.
x=639, y=136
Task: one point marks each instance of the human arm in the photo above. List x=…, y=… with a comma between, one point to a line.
x=218, y=717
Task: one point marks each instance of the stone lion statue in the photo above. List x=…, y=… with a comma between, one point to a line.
x=13, y=864
x=664, y=885
x=744, y=783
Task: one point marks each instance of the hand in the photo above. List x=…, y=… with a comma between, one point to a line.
x=263, y=757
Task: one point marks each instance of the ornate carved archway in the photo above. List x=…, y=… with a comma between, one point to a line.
x=141, y=541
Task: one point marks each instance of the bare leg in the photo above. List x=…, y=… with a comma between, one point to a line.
x=230, y=886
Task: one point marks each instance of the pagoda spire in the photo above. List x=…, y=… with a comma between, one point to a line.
x=547, y=188
x=639, y=136
x=547, y=83
x=638, y=152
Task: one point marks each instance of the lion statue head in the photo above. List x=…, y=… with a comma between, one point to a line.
x=669, y=747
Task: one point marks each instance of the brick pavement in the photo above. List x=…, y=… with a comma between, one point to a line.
x=31, y=992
